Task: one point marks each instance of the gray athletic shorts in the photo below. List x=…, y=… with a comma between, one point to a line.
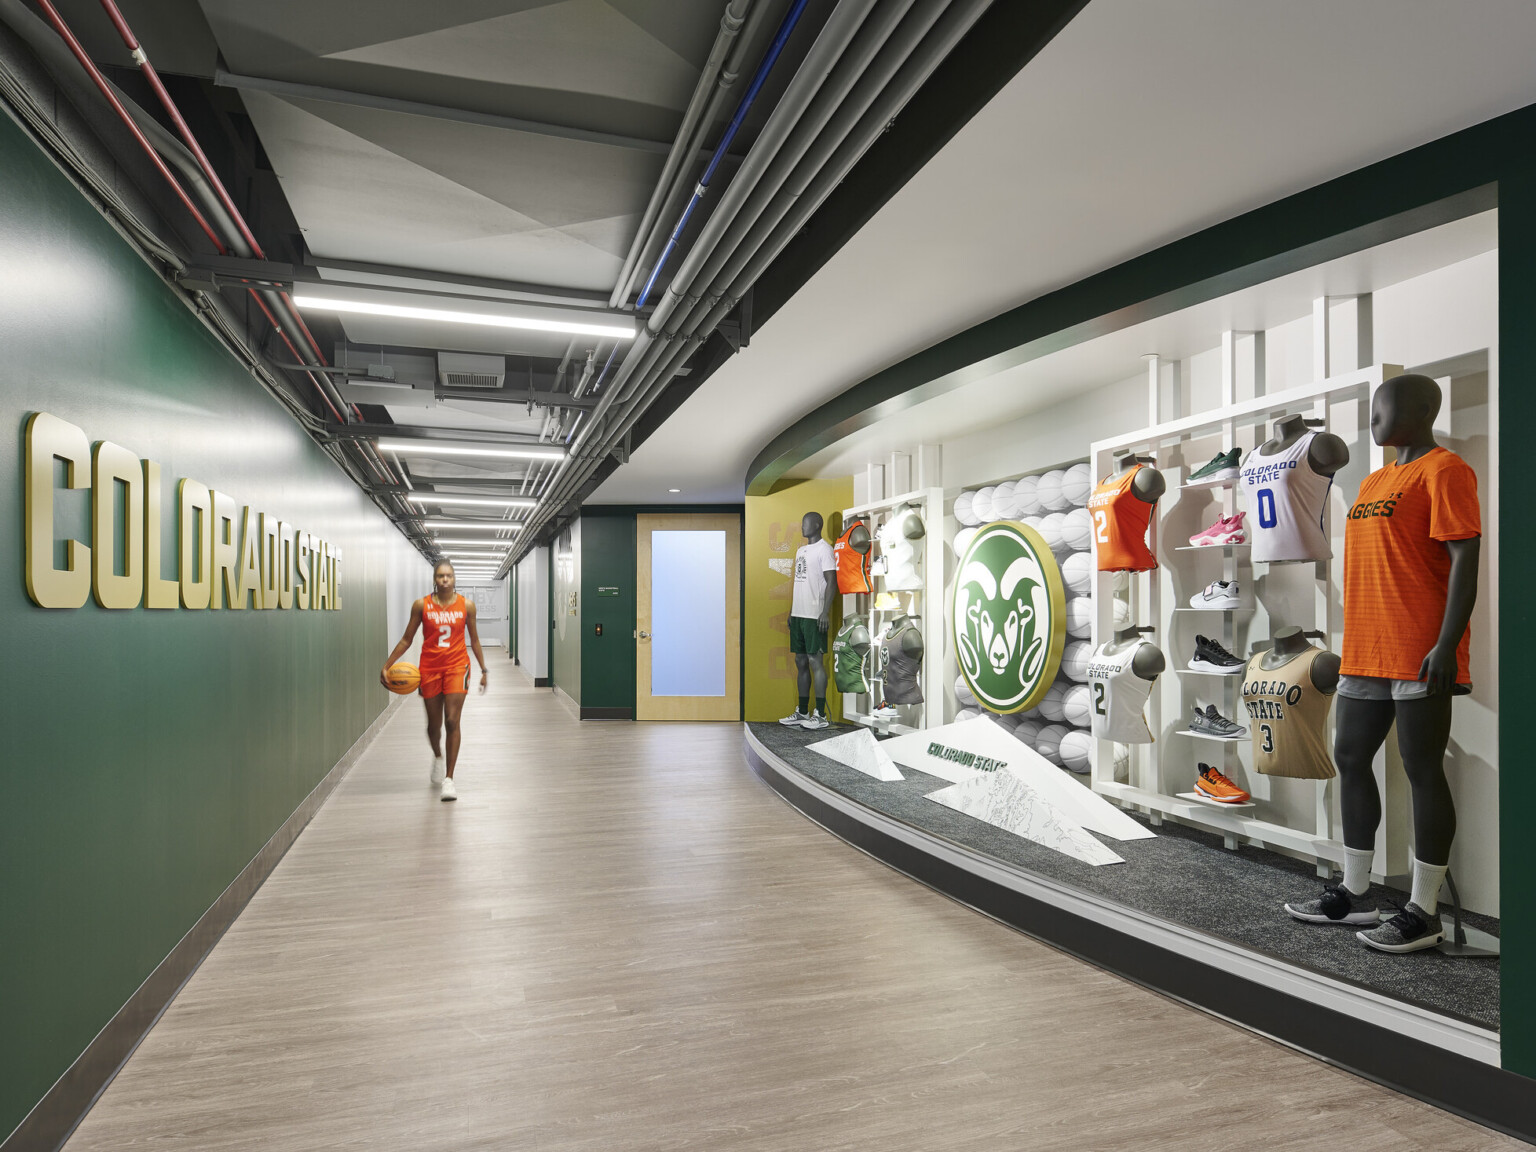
x=1381, y=688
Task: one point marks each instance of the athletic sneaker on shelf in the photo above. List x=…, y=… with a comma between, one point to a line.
x=1212, y=657
x=438, y=771
x=1217, y=594
x=1223, y=466
x=1214, y=786
x=1213, y=723
x=1337, y=905
x=795, y=719
x=1226, y=530
x=815, y=721
x=449, y=791
x=1409, y=931
x=885, y=712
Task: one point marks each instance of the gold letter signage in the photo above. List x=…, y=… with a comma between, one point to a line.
x=228, y=555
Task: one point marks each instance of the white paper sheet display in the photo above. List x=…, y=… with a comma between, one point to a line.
x=860, y=751
x=1004, y=800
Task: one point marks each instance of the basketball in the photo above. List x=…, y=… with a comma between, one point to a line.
x=981, y=504
x=1080, y=617
x=1027, y=731
x=1122, y=615
x=966, y=714
x=403, y=678
x=1048, y=742
x=1077, y=572
x=1051, y=703
x=1025, y=500
x=1122, y=761
x=1077, y=530
x=963, y=694
x=1077, y=485
x=1074, y=660
x=1075, y=751
x=963, y=510
x=1078, y=706
x=1048, y=490
x=1050, y=531
x=1003, y=507
x=963, y=540
x=1121, y=581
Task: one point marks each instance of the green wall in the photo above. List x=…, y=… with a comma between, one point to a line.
x=149, y=754
x=608, y=661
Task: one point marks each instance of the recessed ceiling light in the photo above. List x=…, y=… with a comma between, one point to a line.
x=610, y=327
x=454, y=448
x=471, y=501
x=674, y=489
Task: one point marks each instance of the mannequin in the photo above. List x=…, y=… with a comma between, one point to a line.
x=1286, y=480
x=850, y=650
x=852, y=554
x=1411, y=551
x=810, y=610
x=1288, y=691
x=902, y=647
x=1149, y=484
x=1326, y=454
x=1149, y=662
x=1292, y=642
x=1121, y=508
x=1120, y=677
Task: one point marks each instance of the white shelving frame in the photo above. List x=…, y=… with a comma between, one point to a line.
x=929, y=606
x=1147, y=788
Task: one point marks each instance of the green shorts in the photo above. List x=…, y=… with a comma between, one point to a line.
x=807, y=636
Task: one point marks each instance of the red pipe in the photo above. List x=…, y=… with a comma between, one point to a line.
x=106, y=90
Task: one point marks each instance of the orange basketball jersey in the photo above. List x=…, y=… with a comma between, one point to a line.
x=1120, y=522
x=852, y=565
x=442, y=642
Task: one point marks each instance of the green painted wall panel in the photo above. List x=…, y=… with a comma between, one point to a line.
x=608, y=561
x=149, y=754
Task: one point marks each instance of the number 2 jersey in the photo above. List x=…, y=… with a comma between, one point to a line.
x=1288, y=716
x=1118, y=696
x=1120, y=520
x=1286, y=501
x=442, y=641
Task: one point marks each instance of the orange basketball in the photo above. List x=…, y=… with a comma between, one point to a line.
x=403, y=678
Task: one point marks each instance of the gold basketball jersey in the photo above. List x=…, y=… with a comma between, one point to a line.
x=1288, y=717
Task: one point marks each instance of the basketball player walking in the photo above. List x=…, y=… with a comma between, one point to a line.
x=444, y=666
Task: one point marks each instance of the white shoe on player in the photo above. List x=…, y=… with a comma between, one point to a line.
x=438, y=771
x=449, y=791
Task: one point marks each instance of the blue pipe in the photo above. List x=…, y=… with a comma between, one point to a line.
x=791, y=18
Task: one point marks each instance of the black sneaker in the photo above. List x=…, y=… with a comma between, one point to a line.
x=1337, y=905
x=1223, y=466
x=1212, y=657
x=1408, y=931
x=1213, y=723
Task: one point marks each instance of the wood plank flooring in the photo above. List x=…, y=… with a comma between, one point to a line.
x=619, y=939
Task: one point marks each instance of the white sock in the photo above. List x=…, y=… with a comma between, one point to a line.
x=1427, y=879
x=1357, y=869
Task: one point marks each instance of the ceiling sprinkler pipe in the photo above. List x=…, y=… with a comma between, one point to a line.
x=791, y=18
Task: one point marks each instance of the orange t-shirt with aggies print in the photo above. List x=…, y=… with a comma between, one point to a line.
x=1397, y=568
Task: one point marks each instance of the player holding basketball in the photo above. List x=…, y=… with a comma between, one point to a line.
x=444, y=665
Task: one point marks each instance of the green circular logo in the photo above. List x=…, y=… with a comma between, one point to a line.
x=1009, y=617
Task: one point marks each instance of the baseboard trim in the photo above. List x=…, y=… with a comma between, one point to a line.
x=607, y=713
x=542, y=682
x=1472, y=1086
x=55, y=1117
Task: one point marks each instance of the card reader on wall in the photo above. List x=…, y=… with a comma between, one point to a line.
x=599, y=628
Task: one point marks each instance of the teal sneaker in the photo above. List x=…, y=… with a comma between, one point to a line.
x=1223, y=466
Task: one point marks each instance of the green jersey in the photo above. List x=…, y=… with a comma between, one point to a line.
x=849, y=649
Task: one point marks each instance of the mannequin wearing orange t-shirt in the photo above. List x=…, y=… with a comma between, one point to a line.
x=1411, y=550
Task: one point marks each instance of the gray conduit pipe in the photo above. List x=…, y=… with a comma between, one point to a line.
x=683, y=143
x=719, y=110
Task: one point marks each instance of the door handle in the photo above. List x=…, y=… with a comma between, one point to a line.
x=645, y=635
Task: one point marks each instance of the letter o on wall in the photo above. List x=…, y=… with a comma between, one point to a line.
x=116, y=465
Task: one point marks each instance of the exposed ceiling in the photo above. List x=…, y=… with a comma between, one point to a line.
x=1138, y=124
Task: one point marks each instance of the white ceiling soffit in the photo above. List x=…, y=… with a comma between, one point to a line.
x=1139, y=124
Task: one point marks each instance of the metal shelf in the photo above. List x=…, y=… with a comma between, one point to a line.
x=1213, y=609
x=1209, y=547
x=1199, y=799
x=1216, y=739
x=1206, y=485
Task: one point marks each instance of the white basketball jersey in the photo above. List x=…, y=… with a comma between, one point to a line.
x=1286, y=500
x=1118, y=696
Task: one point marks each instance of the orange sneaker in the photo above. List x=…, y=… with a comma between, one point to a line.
x=1214, y=786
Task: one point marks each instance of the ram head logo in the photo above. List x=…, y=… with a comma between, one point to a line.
x=1001, y=637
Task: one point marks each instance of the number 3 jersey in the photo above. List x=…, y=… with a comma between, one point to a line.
x=1286, y=501
x=1118, y=696
x=442, y=644
x=1288, y=715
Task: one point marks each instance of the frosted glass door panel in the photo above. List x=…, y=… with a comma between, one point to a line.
x=687, y=614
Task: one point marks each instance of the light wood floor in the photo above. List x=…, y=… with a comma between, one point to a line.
x=619, y=939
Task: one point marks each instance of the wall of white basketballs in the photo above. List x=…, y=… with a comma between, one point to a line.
x=1053, y=503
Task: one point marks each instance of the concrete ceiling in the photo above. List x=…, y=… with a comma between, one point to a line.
x=1138, y=124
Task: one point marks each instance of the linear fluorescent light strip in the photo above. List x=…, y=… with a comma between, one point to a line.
x=474, y=525
x=611, y=329
x=454, y=542
x=444, y=448
x=470, y=501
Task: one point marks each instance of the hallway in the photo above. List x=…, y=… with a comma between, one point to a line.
x=618, y=938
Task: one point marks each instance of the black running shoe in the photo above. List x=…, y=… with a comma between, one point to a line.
x=1337, y=905
x=1213, y=723
x=1409, y=931
x=1212, y=657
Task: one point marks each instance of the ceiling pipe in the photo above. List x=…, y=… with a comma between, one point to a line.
x=749, y=97
x=684, y=144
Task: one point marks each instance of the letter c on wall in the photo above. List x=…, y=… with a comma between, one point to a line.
x=49, y=438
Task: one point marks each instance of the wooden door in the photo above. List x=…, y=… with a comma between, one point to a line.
x=688, y=617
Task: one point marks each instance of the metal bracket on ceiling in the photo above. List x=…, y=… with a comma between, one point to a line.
x=621, y=450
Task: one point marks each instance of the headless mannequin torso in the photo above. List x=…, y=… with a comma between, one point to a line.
x=1149, y=485
x=1149, y=662
x=1326, y=454
x=1291, y=643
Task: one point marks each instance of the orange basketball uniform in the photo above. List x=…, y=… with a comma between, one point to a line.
x=852, y=565
x=1120, y=520
x=444, y=659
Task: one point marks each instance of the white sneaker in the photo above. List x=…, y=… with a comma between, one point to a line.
x=795, y=719
x=1217, y=594
x=438, y=770
x=815, y=721
x=449, y=791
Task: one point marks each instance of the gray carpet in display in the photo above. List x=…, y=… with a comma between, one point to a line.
x=1184, y=876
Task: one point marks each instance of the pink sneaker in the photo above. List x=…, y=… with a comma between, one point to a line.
x=1226, y=530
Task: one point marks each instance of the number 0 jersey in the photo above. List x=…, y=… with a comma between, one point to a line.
x=1118, y=696
x=1120, y=520
x=1288, y=715
x=442, y=641
x=1286, y=501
